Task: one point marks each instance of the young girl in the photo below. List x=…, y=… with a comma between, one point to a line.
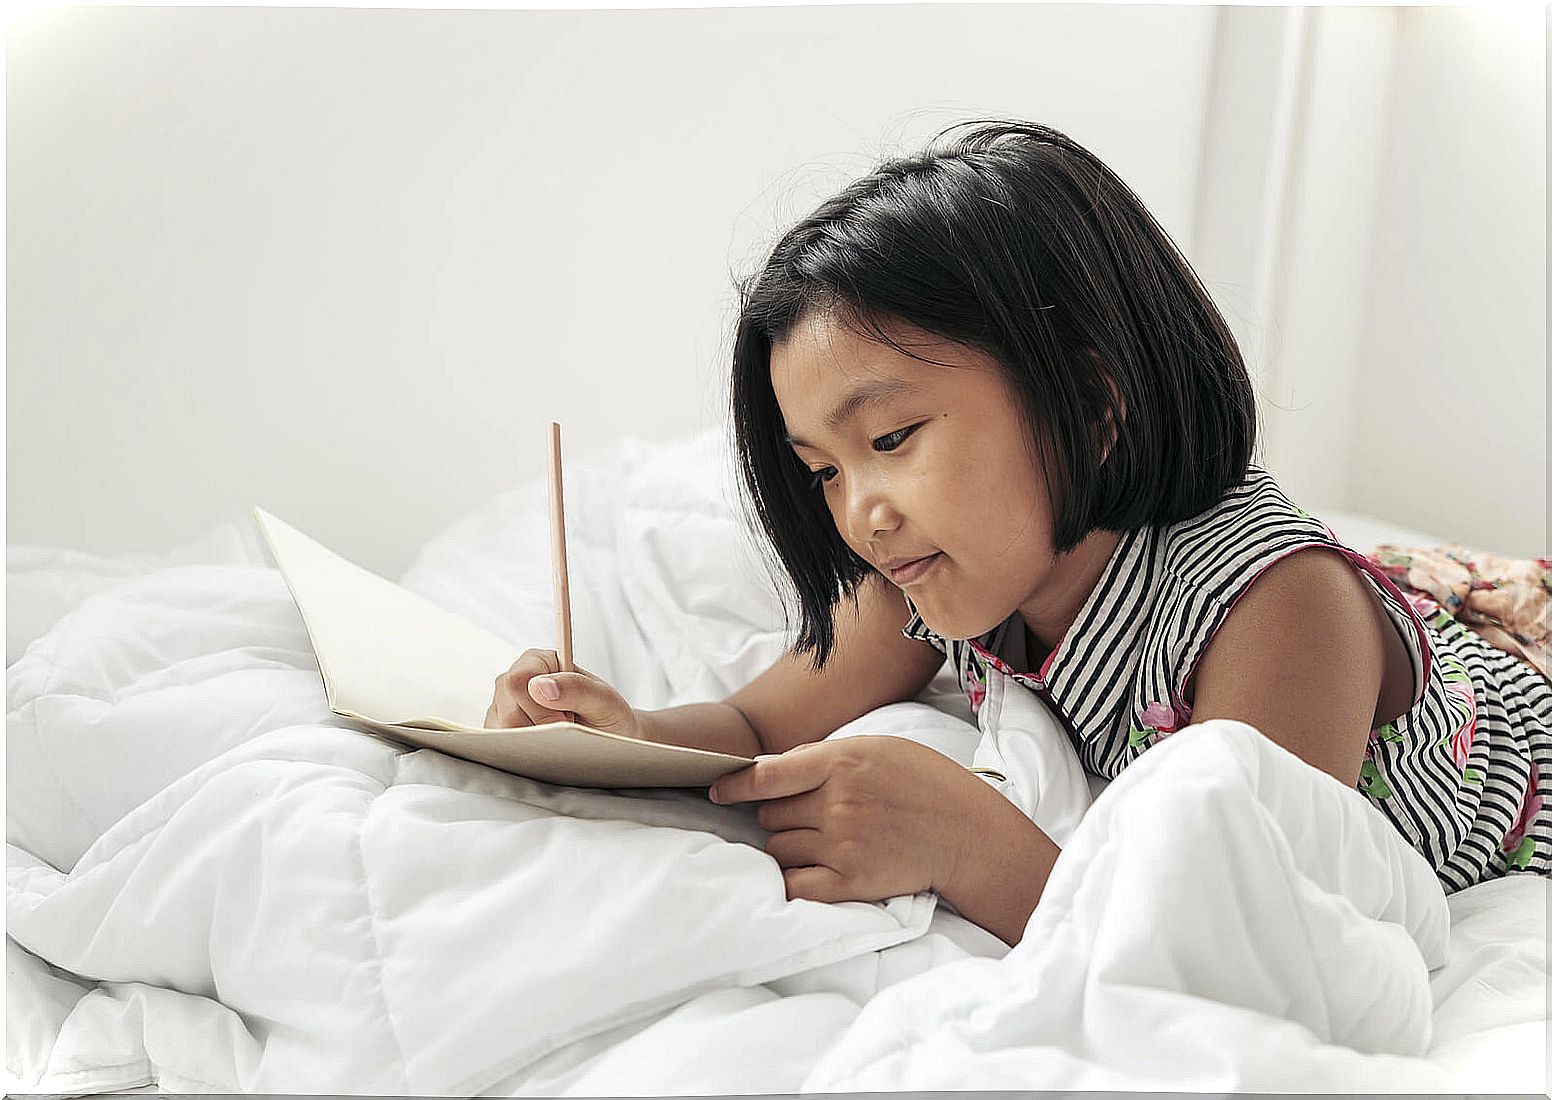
x=986, y=411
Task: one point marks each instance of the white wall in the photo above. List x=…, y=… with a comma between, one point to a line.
x=347, y=263
x=1452, y=398
x=1407, y=366
x=1320, y=248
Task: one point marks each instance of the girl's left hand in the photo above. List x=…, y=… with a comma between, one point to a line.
x=862, y=818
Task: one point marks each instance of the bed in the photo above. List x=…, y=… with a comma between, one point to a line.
x=214, y=884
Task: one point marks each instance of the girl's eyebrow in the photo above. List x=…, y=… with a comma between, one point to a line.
x=866, y=394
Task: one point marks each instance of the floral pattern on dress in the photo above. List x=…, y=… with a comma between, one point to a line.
x=1157, y=721
x=975, y=687
x=1518, y=847
x=1387, y=733
x=1462, y=699
x=1371, y=782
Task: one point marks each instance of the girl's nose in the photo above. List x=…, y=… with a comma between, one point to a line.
x=869, y=512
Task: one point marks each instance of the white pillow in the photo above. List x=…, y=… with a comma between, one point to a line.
x=1023, y=741
x=691, y=570
x=1364, y=533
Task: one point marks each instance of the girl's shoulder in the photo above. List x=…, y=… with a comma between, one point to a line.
x=1251, y=526
x=1208, y=562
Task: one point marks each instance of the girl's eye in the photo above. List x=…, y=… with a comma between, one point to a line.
x=884, y=443
x=899, y=436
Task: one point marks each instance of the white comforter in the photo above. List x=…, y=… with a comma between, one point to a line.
x=213, y=884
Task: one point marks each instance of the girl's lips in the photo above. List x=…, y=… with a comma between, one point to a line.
x=910, y=571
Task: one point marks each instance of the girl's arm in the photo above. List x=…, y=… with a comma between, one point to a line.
x=872, y=665
x=715, y=727
x=789, y=704
x=1303, y=657
x=1002, y=874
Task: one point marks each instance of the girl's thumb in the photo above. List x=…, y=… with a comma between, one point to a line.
x=582, y=699
x=545, y=689
x=548, y=690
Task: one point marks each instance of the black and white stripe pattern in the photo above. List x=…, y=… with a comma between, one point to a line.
x=1456, y=773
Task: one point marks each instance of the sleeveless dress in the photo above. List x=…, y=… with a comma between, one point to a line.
x=1463, y=773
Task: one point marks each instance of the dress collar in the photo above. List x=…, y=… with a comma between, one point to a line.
x=1004, y=643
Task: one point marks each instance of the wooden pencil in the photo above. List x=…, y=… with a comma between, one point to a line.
x=558, y=555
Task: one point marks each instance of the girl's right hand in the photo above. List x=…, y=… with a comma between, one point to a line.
x=579, y=696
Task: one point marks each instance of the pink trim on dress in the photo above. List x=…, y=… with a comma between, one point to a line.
x=1002, y=666
x=996, y=661
x=1425, y=651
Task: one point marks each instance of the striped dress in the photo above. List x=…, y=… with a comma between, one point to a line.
x=1463, y=773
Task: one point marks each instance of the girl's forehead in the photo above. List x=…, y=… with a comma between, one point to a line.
x=822, y=352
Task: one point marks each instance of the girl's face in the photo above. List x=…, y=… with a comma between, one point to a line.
x=915, y=459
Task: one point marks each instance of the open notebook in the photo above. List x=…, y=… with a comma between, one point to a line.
x=419, y=675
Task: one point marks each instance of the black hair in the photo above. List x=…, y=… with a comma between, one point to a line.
x=1017, y=242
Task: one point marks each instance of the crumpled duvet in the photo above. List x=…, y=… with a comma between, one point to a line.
x=353, y=918
x=319, y=911
x=1224, y=919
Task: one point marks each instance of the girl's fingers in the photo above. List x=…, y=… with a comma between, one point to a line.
x=818, y=884
x=519, y=710
x=774, y=777
x=796, y=848
x=520, y=702
x=801, y=811
x=507, y=710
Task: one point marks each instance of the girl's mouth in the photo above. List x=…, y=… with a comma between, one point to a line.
x=914, y=570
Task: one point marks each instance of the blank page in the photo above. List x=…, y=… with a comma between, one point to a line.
x=395, y=661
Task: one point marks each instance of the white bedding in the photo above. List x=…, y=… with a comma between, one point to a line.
x=215, y=885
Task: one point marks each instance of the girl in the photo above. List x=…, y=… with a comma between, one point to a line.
x=986, y=411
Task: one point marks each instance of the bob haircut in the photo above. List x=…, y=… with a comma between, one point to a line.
x=1015, y=241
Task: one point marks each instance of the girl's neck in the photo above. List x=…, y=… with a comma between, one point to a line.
x=1073, y=577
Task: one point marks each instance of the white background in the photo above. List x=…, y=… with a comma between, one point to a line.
x=346, y=263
